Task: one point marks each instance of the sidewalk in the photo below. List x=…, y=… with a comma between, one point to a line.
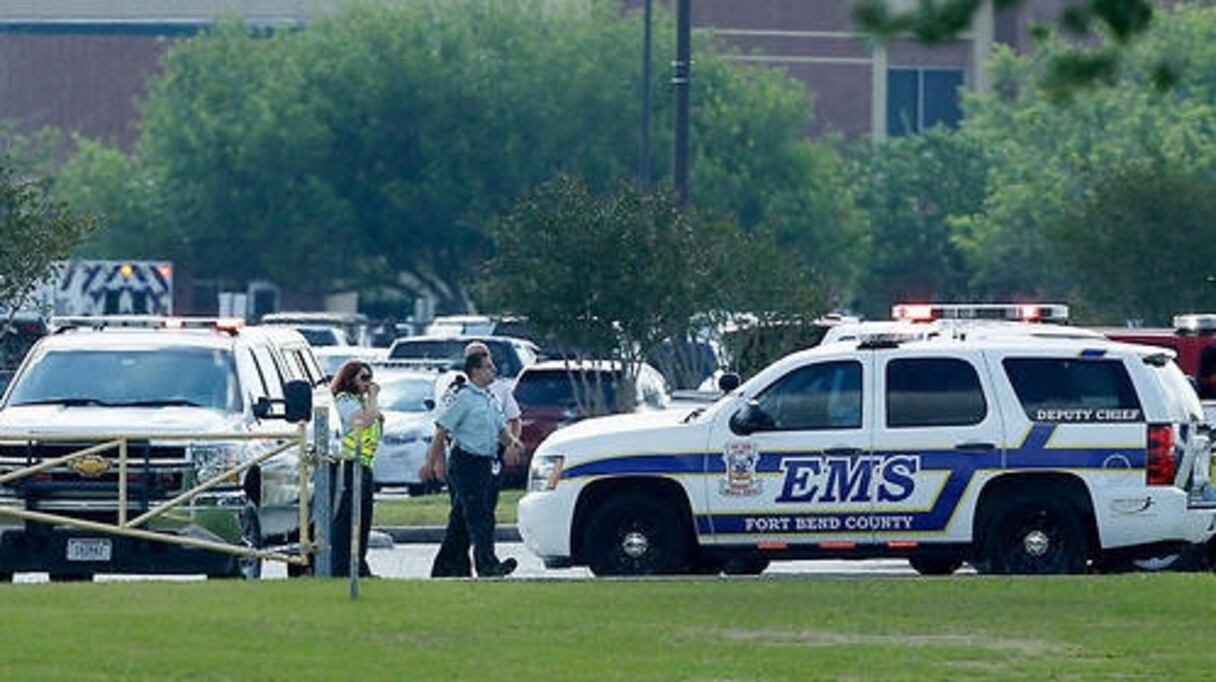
x=434, y=534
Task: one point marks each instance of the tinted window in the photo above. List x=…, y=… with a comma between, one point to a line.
x=821, y=396
x=1073, y=389
x=164, y=376
x=933, y=392
x=563, y=389
x=1207, y=374
x=317, y=337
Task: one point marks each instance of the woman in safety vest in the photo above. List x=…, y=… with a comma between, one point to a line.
x=355, y=398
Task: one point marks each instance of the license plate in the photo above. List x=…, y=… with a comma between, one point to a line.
x=89, y=549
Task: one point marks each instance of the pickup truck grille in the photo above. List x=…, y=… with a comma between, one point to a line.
x=153, y=471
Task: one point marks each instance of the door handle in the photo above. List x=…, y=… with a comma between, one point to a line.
x=842, y=452
x=975, y=446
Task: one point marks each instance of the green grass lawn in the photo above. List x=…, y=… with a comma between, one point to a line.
x=432, y=510
x=1108, y=627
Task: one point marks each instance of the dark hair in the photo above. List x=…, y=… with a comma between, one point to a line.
x=474, y=361
x=344, y=380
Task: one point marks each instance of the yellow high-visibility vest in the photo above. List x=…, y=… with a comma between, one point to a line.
x=369, y=435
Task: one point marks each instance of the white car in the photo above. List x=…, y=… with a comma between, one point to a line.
x=409, y=426
x=1017, y=454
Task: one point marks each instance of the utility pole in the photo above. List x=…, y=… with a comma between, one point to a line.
x=681, y=78
x=644, y=174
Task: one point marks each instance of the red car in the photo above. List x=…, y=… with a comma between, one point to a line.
x=552, y=394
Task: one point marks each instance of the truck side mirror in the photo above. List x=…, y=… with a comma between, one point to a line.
x=298, y=399
x=750, y=419
x=729, y=382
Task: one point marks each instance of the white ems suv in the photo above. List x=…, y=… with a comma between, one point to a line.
x=108, y=377
x=1018, y=454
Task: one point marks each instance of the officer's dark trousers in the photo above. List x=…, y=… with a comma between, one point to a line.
x=339, y=532
x=473, y=493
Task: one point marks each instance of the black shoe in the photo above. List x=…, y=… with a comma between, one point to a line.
x=501, y=570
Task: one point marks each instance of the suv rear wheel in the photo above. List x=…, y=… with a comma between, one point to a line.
x=632, y=534
x=1034, y=535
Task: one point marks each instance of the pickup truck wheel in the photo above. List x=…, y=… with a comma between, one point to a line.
x=1035, y=535
x=636, y=535
x=250, y=568
x=936, y=565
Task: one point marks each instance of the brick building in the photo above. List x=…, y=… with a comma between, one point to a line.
x=82, y=66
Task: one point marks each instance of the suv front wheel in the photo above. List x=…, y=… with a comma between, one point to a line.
x=636, y=535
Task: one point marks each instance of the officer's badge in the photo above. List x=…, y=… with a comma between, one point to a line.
x=740, y=458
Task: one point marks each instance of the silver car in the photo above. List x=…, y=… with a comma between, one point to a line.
x=409, y=426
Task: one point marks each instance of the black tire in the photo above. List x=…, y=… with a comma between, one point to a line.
x=935, y=565
x=249, y=568
x=633, y=534
x=6, y=577
x=1034, y=536
x=744, y=566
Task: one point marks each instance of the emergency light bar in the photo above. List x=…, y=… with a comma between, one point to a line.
x=98, y=322
x=1195, y=323
x=436, y=364
x=1015, y=312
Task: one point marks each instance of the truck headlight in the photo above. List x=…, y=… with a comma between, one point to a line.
x=545, y=472
x=212, y=459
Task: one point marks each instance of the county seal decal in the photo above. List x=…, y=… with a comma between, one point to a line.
x=740, y=458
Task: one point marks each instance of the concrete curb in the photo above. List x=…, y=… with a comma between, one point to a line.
x=434, y=534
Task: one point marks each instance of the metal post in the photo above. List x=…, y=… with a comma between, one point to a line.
x=644, y=161
x=680, y=79
x=323, y=510
x=356, y=497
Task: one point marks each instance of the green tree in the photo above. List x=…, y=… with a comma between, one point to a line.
x=909, y=189
x=35, y=231
x=1044, y=156
x=616, y=275
x=371, y=148
x=1136, y=255
x=1104, y=30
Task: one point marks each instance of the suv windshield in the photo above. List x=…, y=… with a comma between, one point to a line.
x=148, y=377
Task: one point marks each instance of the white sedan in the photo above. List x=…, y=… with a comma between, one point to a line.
x=409, y=426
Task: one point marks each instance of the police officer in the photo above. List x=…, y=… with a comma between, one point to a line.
x=475, y=424
x=458, y=565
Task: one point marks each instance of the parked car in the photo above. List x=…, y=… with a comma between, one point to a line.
x=479, y=325
x=406, y=400
x=510, y=355
x=331, y=358
x=1192, y=337
x=1015, y=453
x=106, y=377
x=554, y=393
x=324, y=329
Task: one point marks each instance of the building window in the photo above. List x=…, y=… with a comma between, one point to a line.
x=919, y=98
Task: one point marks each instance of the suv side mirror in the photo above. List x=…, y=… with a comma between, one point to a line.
x=298, y=395
x=750, y=419
x=729, y=382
